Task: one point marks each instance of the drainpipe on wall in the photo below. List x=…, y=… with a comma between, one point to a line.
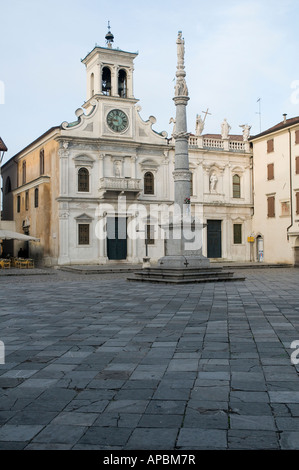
x=291, y=185
x=252, y=256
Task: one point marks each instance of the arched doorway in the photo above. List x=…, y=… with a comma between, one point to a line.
x=260, y=248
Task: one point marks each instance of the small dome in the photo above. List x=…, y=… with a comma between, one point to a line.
x=109, y=36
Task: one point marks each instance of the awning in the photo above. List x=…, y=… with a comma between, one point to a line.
x=9, y=235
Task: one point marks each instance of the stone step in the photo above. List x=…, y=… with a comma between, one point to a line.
x=167, y=280
x=178, y=274
x=183, y=276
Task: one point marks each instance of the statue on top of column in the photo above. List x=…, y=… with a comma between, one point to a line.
x=181, y=88
x=180, y=50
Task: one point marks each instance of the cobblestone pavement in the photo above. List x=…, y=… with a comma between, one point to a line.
x=96, y=362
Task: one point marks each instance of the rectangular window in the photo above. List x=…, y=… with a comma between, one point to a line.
x=27, y=200
x=83, y=234
x=270, y=146
x=297, y=165
x=237, y=234
x=24, y=173
x=83, y=180
x=270, y=171
x=18, y=203
x=150, y=230
x=297, y=203
x=297, y=137
x=42, y=162
x=36, y=197
x=236, y=186
x=149, y=183
x=271, y=206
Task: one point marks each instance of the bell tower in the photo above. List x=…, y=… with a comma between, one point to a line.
x=109, y=72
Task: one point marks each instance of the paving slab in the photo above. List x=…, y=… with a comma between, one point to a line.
x=93, y=361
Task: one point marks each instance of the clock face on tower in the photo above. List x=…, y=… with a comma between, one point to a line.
x=117, y=120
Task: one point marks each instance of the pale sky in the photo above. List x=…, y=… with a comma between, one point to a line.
x=236, y=52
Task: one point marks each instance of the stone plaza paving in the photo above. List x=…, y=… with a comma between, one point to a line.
x=96, y=362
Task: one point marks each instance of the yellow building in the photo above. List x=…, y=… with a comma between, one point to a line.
x=276, y=192
x=31, y=176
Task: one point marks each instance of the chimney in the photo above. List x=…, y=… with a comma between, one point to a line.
x=284, y=118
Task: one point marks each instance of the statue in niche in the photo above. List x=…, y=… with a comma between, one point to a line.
x=199, y=125
x=225, y=128
x=117, y=172
x=213, y=182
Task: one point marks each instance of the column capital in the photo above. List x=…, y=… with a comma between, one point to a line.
x=181, y=100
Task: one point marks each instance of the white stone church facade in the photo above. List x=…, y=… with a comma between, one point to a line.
x=109, y=174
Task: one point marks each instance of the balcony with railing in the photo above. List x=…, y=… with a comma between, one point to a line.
x=114, y=184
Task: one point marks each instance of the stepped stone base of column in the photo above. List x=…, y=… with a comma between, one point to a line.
x=183, y=270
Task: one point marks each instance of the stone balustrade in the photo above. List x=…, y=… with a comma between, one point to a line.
x=212, y=143
x=120, y=184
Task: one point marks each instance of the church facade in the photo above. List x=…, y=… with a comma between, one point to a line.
x=95, y=190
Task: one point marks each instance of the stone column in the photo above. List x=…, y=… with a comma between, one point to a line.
x=98, y=79
x=63, y=153
x=130, y=91
x=181, y=174
x=101, y=169
x=183, y=248
x=133, y=166
x=64, y=214
x=114, y=81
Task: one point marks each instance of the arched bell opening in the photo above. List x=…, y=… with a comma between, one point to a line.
x=122, y=83
x=106, y=81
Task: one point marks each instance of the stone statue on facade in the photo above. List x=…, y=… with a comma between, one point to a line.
x=213, y=182
x=246, y=132
x=173, y=121
x=199, y=125
x=117, y=169
x=225, y=128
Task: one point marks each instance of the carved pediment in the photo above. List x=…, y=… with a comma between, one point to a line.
x=84, y=160
x=149, y=164
x=237, y=169
x=210, y=167
x=84, y=218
